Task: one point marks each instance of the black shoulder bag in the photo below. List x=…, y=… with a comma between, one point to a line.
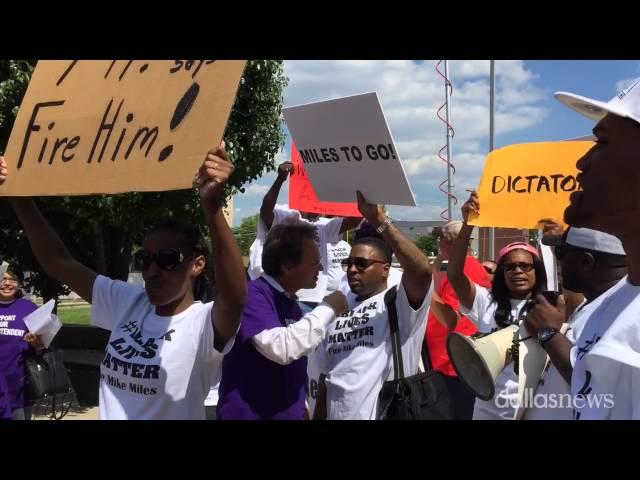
x=419, y=397
x=46, y=379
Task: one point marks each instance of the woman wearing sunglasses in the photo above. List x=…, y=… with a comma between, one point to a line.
x=165, y=348
x=519, y=278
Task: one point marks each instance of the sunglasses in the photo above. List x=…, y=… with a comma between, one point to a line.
x=166, y=259
x=525, y=267
x=360, y=263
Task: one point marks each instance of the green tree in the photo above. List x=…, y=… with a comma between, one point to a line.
x=428, y=244
x=246, y=233
x=102, y=231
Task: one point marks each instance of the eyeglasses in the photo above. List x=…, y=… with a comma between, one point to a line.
x=166, y=259
x=9, y=280
x=525, y=267
x=360, y=263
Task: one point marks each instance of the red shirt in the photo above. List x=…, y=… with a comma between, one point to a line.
x=436, y=333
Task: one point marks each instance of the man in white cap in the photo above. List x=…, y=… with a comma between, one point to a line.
x=592, y=263
x=607, y=353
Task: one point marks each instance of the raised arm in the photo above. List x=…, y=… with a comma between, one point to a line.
x=465, y=289
x=48, y=248
x=416, y=276
x=225, y=255
x=270, y=199
x=50, y=251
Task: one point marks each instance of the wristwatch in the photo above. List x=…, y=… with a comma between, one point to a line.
x=384, y=225
x=545, y=334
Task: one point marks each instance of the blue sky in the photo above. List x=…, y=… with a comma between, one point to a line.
x=411, y=92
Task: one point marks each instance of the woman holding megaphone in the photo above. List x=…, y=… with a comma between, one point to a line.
x=519, y=278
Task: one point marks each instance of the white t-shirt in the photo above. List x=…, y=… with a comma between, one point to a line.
x=313, y=371
x=356, y=355
x=155, y=368
x=313, y=378
x=606, y=358
x=482, y=314
x=327, y=231
x=336, y=252
x=394, y=278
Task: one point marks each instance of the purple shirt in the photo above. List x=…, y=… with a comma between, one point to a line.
x=254, y=387
x=13, y=347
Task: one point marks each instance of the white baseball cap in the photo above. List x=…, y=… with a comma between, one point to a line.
x=588, y=239
x=451, y=230
x=626, y=104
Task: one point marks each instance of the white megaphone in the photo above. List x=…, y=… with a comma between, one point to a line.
x=479, y=361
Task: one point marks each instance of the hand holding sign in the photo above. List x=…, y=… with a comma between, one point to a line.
x=3, y=170
x=373, y=213
x=551, y=227
x=471, y=208
x=284, y=170
x=213, y=174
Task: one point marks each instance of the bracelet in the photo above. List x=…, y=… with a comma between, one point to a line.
x=384, y=225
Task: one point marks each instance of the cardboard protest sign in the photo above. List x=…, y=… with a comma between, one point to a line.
x=345, y=145
x=302, y=197
x=112, y=126
x=524, y=183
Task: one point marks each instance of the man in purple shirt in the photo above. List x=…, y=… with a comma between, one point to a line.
x=265, y=374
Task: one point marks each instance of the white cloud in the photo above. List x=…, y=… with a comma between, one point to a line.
x=256, y=189
x=410, y=93
x=468, y=68
x=237, y=215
